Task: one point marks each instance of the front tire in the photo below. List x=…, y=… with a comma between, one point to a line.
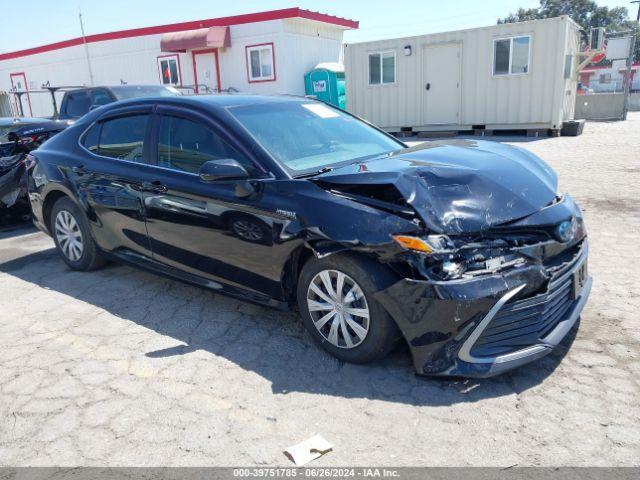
x=335, y=298
x=70, y=232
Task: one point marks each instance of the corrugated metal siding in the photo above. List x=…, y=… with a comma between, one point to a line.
x=572, y=47
x=534, y=98
x=305, y=44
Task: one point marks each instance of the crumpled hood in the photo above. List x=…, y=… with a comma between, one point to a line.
x=457, y=186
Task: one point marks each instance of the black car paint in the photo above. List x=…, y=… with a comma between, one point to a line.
x=175, y=224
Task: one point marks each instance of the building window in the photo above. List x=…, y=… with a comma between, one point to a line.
x=169, y=70
x=382, y=68
x=261, y=66
x=605, y=78
x=511, y=55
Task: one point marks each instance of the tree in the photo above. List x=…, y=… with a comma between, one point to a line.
x=585, y=12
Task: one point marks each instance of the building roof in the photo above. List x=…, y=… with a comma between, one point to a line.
x=176, y=27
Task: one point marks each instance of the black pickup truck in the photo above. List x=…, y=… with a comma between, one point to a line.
x=78, y=102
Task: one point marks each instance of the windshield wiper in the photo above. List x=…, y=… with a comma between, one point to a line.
x=313, y=174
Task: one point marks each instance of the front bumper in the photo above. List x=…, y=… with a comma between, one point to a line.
x=488, y=325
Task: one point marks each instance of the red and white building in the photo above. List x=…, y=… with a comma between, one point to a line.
x=267, y=52
x=609, y=79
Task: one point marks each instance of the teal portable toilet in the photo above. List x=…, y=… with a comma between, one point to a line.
x=326, y=83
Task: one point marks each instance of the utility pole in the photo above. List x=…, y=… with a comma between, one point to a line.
x=629, y=74
x=86, y=49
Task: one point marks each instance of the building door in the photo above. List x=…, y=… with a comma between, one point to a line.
x=441, y=84
x=205, y=70
x=19, y=83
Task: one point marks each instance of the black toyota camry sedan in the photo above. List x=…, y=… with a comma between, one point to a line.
x=464, y=249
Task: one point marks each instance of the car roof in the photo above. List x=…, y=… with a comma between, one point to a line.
x=218, y=101
x=215, y=104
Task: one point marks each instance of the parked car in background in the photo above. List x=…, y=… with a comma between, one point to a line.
x=18, y=137
x=464, y=248
x=76, y=103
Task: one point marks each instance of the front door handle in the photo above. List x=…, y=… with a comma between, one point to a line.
x=155, y=187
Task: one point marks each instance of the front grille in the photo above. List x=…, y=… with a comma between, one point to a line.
x=526, y=322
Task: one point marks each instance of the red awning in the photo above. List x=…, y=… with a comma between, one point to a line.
x=213, y=37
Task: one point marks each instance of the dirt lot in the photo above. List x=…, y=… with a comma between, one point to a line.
x=121, y=367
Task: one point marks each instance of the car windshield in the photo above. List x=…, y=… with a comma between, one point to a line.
x=124, y=92
x=309, y=136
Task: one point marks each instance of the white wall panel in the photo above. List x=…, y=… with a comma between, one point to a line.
x=538, y=97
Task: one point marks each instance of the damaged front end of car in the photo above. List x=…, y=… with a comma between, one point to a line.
x=489, y=303
x=496, y=276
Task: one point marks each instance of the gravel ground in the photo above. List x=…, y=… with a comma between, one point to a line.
x=120, y=367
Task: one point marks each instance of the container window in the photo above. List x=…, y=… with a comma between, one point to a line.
x=260, y=63
x=568, y=66
x=520, y=56
x=382, y=68
x=511, y=55
x=169, y=71
x=388, y=67
x=374, y=69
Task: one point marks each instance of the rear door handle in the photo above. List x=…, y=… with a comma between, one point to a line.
x=155, y=187
x=428, y=86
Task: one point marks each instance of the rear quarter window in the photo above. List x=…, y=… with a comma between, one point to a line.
x=123, y=137
x=91, y=138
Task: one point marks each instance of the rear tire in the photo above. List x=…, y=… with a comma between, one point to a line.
x=70, y=231
x=335, y=298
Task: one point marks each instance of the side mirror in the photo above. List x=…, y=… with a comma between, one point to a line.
x=224, y=169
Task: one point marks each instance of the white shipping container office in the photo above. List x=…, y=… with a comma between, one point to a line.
x=513, y=76
x=267, y=52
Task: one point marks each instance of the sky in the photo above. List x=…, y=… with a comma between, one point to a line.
x=50, y=21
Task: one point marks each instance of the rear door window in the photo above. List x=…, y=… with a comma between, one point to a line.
x=123, y=137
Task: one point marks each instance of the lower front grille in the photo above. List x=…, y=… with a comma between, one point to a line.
x=526, y=322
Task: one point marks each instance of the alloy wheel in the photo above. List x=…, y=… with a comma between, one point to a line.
x=69, y=236
x=338, y=308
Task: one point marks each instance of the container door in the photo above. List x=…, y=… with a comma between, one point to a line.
x=441, y=84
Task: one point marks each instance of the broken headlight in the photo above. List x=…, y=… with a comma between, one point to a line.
x=429, y=244
x=446, y=258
